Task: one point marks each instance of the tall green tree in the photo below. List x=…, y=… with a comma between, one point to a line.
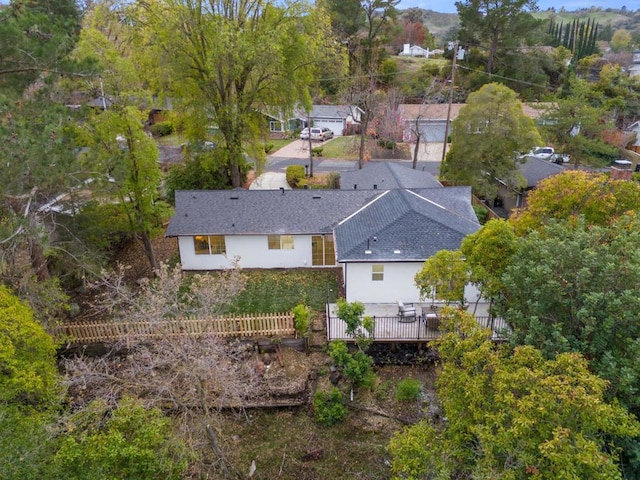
x=35, y=145
x=225, y=61
x=443, y=277
x=487, y=254
x=126, y=163
x=574, y=288
x=575, y=125
x=121, y=159
x=495, y=24
x=35, y=38
x=511, y=413
x=485, y=137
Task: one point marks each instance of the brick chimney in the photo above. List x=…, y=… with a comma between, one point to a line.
x=621, y=170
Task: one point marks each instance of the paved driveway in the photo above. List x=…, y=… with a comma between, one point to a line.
x=270, y=181
x=295, y=149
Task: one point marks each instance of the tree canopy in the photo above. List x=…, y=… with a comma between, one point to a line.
x=485, y=138
x=574, y=288
x=225, y=62
x=496, y=24
x=573, y=195
x=511, y=413
x=27, y=355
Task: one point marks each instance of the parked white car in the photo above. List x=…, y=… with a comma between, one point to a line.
x=543, y=153
x=317, y=133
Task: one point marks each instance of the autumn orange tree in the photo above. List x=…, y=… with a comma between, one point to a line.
x=574, y=194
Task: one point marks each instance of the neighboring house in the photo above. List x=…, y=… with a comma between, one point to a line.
x=380, y=238
x=634, y=68
x=341, y=119
x=409, y=50
x=386, y=176
x=634, y=130
x=431, y=119
x=533, y=170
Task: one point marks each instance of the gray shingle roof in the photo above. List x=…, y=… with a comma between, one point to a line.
x=386, y=176
x=242, y=212
x=535, y=169
x=417, y=223
x=408, y=225
x=332, y=111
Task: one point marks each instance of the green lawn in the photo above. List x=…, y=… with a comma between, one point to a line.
x=278, y=143
x=345, y=148
x=275, y=291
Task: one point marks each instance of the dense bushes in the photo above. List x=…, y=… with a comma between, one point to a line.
x=161, y=129
x=295, y=175
x=329, y=408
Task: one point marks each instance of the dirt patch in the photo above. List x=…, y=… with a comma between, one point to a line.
x=400, y=152
x=133, y=256
x=287, y=443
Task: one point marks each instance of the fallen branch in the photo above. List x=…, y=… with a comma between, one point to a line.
x=380, y=413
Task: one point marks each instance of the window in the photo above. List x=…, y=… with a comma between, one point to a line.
x=322, y=251
x=275, y=126
x=377, y=273
x=217, y=245
x=280, y=242
x=209, y=245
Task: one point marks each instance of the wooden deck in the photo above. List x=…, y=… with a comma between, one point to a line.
x=393, y=328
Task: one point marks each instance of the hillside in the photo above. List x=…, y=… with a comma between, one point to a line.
x=614, y=19
x=439, y=24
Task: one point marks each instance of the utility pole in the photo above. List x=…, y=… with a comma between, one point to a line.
x=453, y=77
x=310, y=146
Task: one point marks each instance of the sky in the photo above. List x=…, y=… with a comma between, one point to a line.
x=448, y=6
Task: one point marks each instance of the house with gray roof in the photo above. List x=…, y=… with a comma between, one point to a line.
x=380, y=238
x=340, y=119
x=386, y=176
x=532, y=171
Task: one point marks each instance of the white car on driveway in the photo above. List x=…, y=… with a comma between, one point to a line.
x=317, y=133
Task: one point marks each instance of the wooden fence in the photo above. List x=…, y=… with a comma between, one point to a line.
x=263, y=325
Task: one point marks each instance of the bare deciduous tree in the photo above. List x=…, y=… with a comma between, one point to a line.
x=193, y=376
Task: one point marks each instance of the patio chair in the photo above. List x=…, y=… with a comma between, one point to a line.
x=406, y=312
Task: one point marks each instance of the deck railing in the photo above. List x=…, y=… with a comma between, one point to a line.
x=399, y=329
x=263, y=325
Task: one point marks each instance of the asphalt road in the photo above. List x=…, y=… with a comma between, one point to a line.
x=297, y=153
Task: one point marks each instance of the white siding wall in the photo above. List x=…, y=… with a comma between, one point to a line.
x=397, y=285
x=253, y=251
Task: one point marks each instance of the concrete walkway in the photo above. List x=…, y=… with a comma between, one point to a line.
x=270, y=181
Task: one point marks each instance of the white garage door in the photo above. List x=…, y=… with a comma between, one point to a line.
x=335, y=125
x=433, y=131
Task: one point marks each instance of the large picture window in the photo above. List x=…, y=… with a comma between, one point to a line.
x=209, y=245
x=280, y=242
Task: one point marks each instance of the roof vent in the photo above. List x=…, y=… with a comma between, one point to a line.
x=396, y=251
x=316, y=197
x=375, y=186
x=282, y=190
x=355, y=186
x=234, y=197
